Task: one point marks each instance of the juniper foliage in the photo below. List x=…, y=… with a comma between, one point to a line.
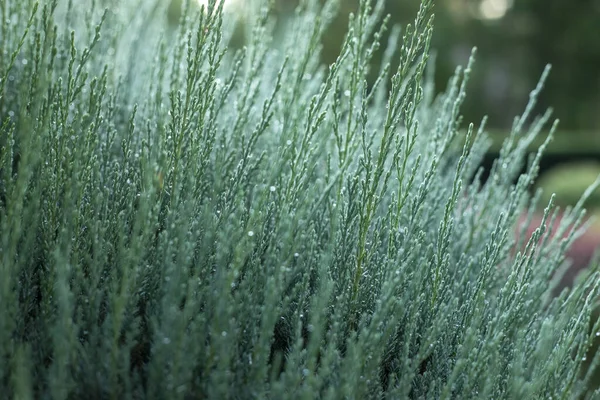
x=181, y=220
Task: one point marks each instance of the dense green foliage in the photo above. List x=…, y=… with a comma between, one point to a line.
x=180, y=222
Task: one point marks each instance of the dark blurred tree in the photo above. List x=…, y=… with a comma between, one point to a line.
x=512, y=52
x=567, y=35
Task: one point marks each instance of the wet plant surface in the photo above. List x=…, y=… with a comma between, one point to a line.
x=181, y=220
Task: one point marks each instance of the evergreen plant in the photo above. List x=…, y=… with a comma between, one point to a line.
x=180, y=221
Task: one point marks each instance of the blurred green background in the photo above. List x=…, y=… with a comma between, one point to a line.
x=515, y=40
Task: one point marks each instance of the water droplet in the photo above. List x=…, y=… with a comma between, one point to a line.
x=305, y=372
x=24, y=61
x=166, y=340
x=250, y=233
x=224, y=334
x=296, y=255
x=272, y=188
x=347, y=93
x=289, y=142
x=584, y=358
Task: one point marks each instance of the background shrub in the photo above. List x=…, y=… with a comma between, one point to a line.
x=569, y=181
x=181, y=222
